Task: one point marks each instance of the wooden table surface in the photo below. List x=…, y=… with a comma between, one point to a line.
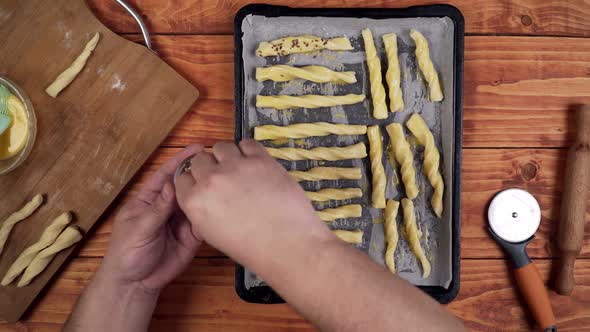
x=526, y=63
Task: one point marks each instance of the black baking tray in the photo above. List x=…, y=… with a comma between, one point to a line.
x=267, y=295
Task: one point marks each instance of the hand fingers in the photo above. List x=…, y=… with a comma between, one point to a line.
x=154, y=184
x=184, y=233
x=251, y=148
x=184, y=185
x=202, y=165
x=225, y=151
x=161, y=210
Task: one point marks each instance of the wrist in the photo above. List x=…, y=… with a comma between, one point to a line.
x=110, y=282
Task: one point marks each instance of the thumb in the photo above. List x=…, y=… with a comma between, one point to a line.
x=161, y=211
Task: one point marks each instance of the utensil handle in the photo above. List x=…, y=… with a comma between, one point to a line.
x=144, y=30
x=534, y=292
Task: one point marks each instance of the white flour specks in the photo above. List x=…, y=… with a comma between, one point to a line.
x=100, y=71
x=67, y=34
x=117, y=84
x=4, y=15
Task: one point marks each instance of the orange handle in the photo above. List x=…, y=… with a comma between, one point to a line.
x=534, y=292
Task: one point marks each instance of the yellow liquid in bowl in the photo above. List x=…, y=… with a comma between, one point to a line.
x=14, y=139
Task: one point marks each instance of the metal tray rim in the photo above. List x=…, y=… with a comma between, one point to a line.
x=266, y=295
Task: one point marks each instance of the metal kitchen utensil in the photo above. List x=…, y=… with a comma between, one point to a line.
x=144, y=30
x=514, y=216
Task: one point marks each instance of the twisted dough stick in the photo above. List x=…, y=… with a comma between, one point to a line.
x=378, y=173
x=317, y=74
x=327, y=173
x=22, y=214
x=404, y=156
x=321, y=153
x=391, y=234
x=411, y=233
x=392, y=76
x=374, y=64
x=302, y=44
x=302, y=130
x=307, y=101
x=345, y=211
x=354, y=237
x=426, y=66
x=431, y=160
x=68, y=75
x=47, y=238
x=66, y=239
x=332, y=194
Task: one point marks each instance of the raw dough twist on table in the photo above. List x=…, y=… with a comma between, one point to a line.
x=66, y=239
x=402, y=153
x=378, y=173
x=393, y=74
x=327, y=173
x=355, y=151
x=412, y=234
x=303, y=130
x=353, y=237
x=333, y=194
x=68, y=75
x=374, y=65
x=284, y=102
x=317, y=74
x=22, y=214
x=341, y=212
x=47, y=238
x=391, y=233
x=426, y=66
x=431, y=160
x=302, y=44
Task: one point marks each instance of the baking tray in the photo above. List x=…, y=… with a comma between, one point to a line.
x=261, y=293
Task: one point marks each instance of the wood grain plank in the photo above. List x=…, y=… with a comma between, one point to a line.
x=518, y=91
x=203, y=298
x=485, y=172
x=528, y=17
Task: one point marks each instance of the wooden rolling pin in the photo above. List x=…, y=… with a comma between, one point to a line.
x=574, y=201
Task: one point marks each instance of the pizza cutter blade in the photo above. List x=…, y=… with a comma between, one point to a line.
x=514, y=216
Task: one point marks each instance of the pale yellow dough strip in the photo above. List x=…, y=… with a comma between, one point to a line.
x=355, y=151
x=47, y=238
x=374, y=65
x=66, y=239
x=412, y=235
x=341, y=212
x=317, y=74
x=20, y=215
x=431, y=160
x=402, y=153
x=327, y=173
x=391, y=233
x=333, y=194
x=303, y=130
x=68, y=75
x=378, y=173
x=284, y=102
x=302, y=44
x=426, y=66
x=393, y=74
x=353, y=237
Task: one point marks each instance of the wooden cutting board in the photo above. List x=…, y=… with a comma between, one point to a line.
x=93, y=137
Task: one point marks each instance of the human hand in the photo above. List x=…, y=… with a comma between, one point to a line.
x=152, y=241
x=240, y=200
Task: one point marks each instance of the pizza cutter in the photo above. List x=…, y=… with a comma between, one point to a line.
x=514, y=216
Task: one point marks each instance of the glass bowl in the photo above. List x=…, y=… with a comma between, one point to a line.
x=12, y=163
